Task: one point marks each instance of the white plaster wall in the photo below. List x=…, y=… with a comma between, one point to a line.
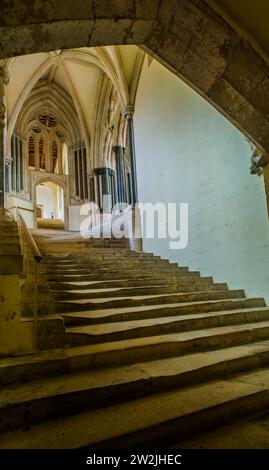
x=45, y=198
x=187, y=152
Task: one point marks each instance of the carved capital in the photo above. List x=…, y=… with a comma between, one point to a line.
x=56, y=57
x=4, y=74
x=128, y=111
x=258, y=161
x=2, y=115
x=4, y=79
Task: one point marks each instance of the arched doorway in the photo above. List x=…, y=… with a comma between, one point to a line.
x=49, y=206
x=50, y=196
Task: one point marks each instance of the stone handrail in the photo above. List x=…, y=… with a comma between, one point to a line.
x=28, y=236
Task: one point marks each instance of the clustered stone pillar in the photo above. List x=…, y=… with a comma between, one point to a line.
x=3, y=82
x=135, y=235
x=92, y=197
x=128, y=113
x=104, y=178
x=120, y=171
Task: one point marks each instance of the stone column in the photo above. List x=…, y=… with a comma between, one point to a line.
x=3, y=81
x=104, y=188
x=128, y=113
x=120, y=171
x=92, y=197
x=134, y=221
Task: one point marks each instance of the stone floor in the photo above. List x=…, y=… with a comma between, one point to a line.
x=245, y=434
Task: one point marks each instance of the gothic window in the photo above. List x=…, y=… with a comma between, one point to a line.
x=31, y=152
x=17, y=174
x=54, y=153
x=42, y=156
x=47, y=121
x=81, y=180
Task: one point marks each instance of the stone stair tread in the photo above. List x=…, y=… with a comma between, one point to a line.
x=97, y=426
x=65, y=293
x=106, y=328
x=77, y=290
x=64, y=354
x=74, y=353
x=142, y=280
x=141, y=308
x=145, y=296
x=178, y=337
x=133, y=283
x=94, y=379
x=189, y=274
x=104, y=290
x=98, y=300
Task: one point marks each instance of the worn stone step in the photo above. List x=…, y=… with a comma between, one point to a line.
x=134, y=313
x=78, y=239
x=77, y=247
x=94, y=262
x=111, y=268
x=113, y=265
x=156, y=420
x=24, y=405
x=99, y=254
x=133, y=283
x=143, y=300
x=134, y=270
x=65, y=293
x=91, y=334
x=56, y=362
x=153, y=298
x=155, y=347
x=105, y=261
x=120, y=275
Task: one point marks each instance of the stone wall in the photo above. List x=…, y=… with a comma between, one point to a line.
x=187, y=152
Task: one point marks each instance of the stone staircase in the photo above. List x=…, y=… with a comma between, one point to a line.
x=154, y=353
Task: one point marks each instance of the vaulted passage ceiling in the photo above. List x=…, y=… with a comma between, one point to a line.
x=207, y=52
x=251, y=16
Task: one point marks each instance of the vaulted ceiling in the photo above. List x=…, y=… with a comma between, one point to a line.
x=99, y=82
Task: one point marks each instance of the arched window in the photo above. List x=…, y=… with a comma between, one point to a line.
x=54, y=154
x=81, y=178
x=16, y=164
x=42, y=156
x=31, y=152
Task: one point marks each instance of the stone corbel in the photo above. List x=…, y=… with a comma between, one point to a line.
x=258, y=161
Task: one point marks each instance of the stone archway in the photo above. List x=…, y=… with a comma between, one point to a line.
x=186, y=35
x=37, y=178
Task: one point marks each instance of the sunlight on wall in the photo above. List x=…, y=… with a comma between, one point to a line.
x=50, y=199
x=187, y=152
